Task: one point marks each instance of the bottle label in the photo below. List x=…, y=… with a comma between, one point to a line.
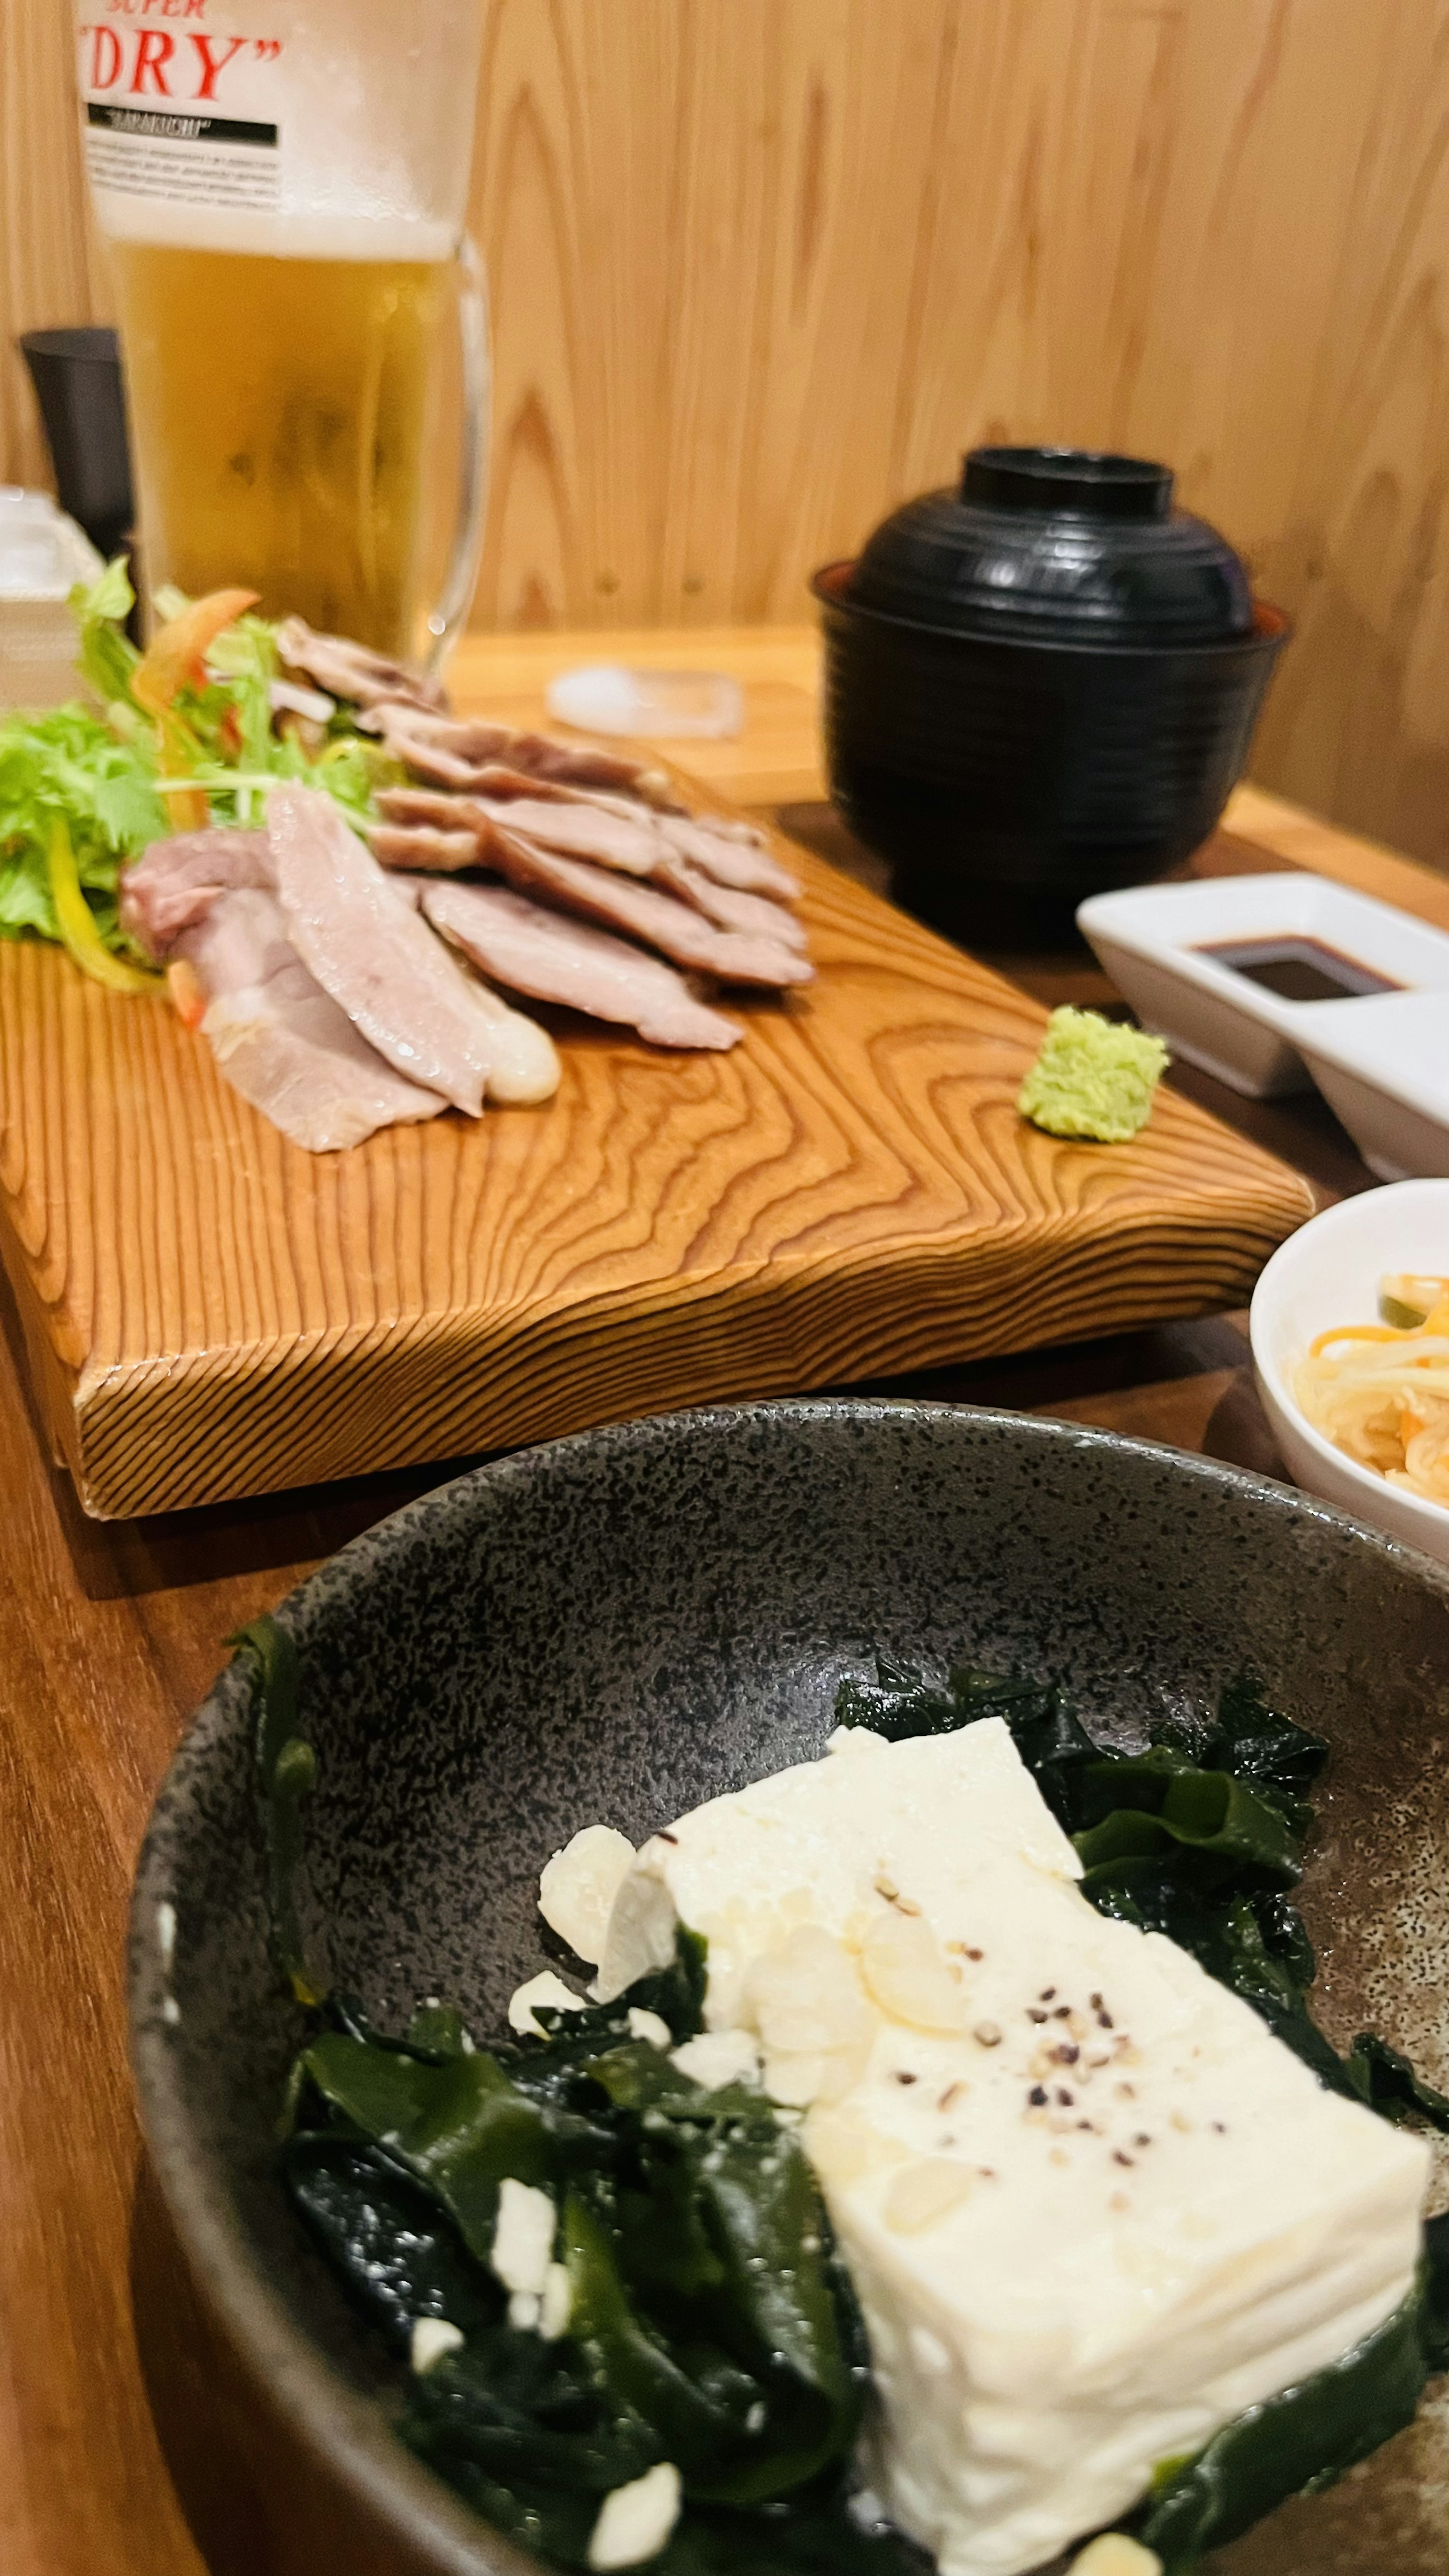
x=180, y=113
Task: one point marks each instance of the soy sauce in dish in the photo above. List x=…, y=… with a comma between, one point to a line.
x=1299, y=969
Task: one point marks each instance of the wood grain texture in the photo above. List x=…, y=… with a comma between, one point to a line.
x=762, y=267
x=212, y=1312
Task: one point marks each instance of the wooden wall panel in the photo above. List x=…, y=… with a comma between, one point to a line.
x=761, y=267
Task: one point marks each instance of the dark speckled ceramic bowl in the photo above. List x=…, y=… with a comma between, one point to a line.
x=616, y=1627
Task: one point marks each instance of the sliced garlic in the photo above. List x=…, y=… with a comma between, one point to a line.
x=804, y=1996
x=577, y=1889
x=926, y=2193
x=844, y=2148
x=1113, y=2554
x=635, y=2521
x=431, y=2338
x=523, y=2236
x=716, y=2057
x=557, y=2303
x=906, y=1973
x=545, y=1988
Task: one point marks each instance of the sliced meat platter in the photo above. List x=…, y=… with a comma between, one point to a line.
x=346, y=983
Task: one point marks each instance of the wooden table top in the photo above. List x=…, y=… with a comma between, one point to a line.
x=112, y=1633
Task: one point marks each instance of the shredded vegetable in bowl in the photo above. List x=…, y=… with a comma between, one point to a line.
x=1380, y=1392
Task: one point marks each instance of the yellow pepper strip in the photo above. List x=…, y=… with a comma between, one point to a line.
x=1437, y=1320
x=77, y=923
x=175, y=655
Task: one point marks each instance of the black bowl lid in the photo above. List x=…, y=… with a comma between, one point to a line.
x=1057, y=542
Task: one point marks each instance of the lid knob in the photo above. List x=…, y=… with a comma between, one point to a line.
x=1049, y=479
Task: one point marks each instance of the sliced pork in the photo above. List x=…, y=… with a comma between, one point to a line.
x=354, y=671
x=371, y=950
x=581, y=831
x=661, y=920
x=733, y=853
x=453, y=750
x=174, y=882
x=422, y=845
x=279, y=1039
x=541, y=953
x=757, y=915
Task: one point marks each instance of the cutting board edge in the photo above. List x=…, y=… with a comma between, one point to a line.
x=882, y=1313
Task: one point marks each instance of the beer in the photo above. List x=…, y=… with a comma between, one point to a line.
x=281, y=416
x=281, y=185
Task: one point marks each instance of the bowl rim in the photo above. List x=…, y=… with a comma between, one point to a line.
x=344, y=2431
x=1271, y=629
x=1273, y=1280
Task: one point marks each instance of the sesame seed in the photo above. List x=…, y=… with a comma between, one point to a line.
x=949, y=2096
x=1118, y=2157
x=987, y=2034
x=1096, y=2002
x=1046, y=1994
x=1063, y=2013
x=904, y=2076
x=1034, y=2013
x=1067, y=2053
x=975, y=1954
x=1221, y=2128
x=1127, y=2092
x=1142, y=2139
x=1065, y=2098
x=1037, y=2096
x=1105, y=2021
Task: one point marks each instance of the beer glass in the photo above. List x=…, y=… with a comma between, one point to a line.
x=282, y=184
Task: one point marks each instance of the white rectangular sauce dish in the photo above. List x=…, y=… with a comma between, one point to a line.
x=1276, y=982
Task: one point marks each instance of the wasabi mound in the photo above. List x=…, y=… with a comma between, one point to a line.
x=1093, y=1077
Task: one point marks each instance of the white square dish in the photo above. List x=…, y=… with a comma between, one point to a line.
x=1377, y=1046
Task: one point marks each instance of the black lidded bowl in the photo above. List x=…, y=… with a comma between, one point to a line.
x=615, y=1627
x=1039, y=686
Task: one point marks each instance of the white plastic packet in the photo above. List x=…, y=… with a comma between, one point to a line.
x=604, y=697
x=42, y=555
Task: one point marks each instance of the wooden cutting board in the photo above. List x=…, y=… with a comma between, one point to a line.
x=211, y=1312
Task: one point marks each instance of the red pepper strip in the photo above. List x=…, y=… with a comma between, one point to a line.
x=176, y=655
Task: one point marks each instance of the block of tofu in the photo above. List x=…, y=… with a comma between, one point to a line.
x=1091, y=2207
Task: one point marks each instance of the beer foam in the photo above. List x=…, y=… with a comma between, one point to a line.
x=274, y=233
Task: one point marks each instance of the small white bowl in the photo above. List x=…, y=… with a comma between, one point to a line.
x=1328, y=1273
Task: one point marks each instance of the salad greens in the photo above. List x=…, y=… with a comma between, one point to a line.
x=184, y=734
x=709, y=2320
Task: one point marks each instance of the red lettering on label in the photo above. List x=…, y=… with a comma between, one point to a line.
x=153, y=53
x=214, y=63
x=105, y=57
x=195, y=8
x=267, y=48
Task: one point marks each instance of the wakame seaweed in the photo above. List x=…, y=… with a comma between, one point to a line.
x=710, y=2321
